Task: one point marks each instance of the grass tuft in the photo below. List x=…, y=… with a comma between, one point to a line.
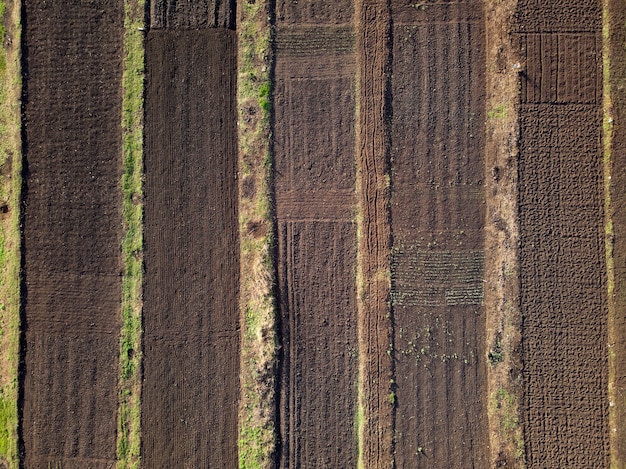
x=128, y=440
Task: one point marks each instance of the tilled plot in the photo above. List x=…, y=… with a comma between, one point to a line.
x=437, y=217
x=191, y=319
x=173, y=14
x=72, y=232
x=562, y=254
x=315, y=199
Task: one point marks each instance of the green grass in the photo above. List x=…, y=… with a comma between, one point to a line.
x=10, y=187
x=613, y=304
x=128, y=442
x=498, y=112
x=506, y=405
x=257, y=432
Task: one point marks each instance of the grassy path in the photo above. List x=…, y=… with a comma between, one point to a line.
x=128, y=442
x=10, y=187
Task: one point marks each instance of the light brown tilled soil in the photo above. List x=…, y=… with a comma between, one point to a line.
x=72, y=228
x=191, y=318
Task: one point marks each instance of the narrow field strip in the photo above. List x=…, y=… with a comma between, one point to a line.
x=257, y=411
x=129, y=432
x=10, y=189
x=502, y=238
x=614, y=146
x=376, y=384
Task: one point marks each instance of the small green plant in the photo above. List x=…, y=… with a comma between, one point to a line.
x=499, y=112
x=496, y=355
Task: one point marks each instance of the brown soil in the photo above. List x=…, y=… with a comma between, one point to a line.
x=562, y=252
x=437, y=220
x=72, y=225
x=174, y=14
x=617, y=339
x=373, y=24
x=315, y=200
x=191, y=320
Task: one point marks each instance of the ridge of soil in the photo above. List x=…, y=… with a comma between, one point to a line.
x=373, y=24
x=617, y=337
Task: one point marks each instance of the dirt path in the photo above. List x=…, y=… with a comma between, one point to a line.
x=72, y=225
x=191, y=321
x=315, y=203
x=437, y=218
x=373, y=25
x=562, y=252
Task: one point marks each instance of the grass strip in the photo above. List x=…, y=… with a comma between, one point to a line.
x=10, y=189
x=257, y=434
x=501, y=275
x=128, y=440
x=616, y=403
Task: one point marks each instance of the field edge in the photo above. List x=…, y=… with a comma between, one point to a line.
x=10, y=237
x=129, y=414
x=257, y=414
x=614, y=110
x=503, y=316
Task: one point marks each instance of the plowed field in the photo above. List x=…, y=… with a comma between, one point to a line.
x=72, y=233
x=191, y=320
x=423, y=268
x=563, y=290
x=437, y=216
x=315, y=202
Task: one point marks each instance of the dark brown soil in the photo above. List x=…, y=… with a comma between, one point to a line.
x=315, y=202
x=72, y=228
x=191, y=317
x=174, y=14
x=437, y=218
x=562, y=252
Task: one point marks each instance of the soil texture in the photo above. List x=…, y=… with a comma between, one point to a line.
x=437, y=221
x=197, y=14
x=191, y=318
x=562, y=252
x=315, y=203
x=72, y=232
